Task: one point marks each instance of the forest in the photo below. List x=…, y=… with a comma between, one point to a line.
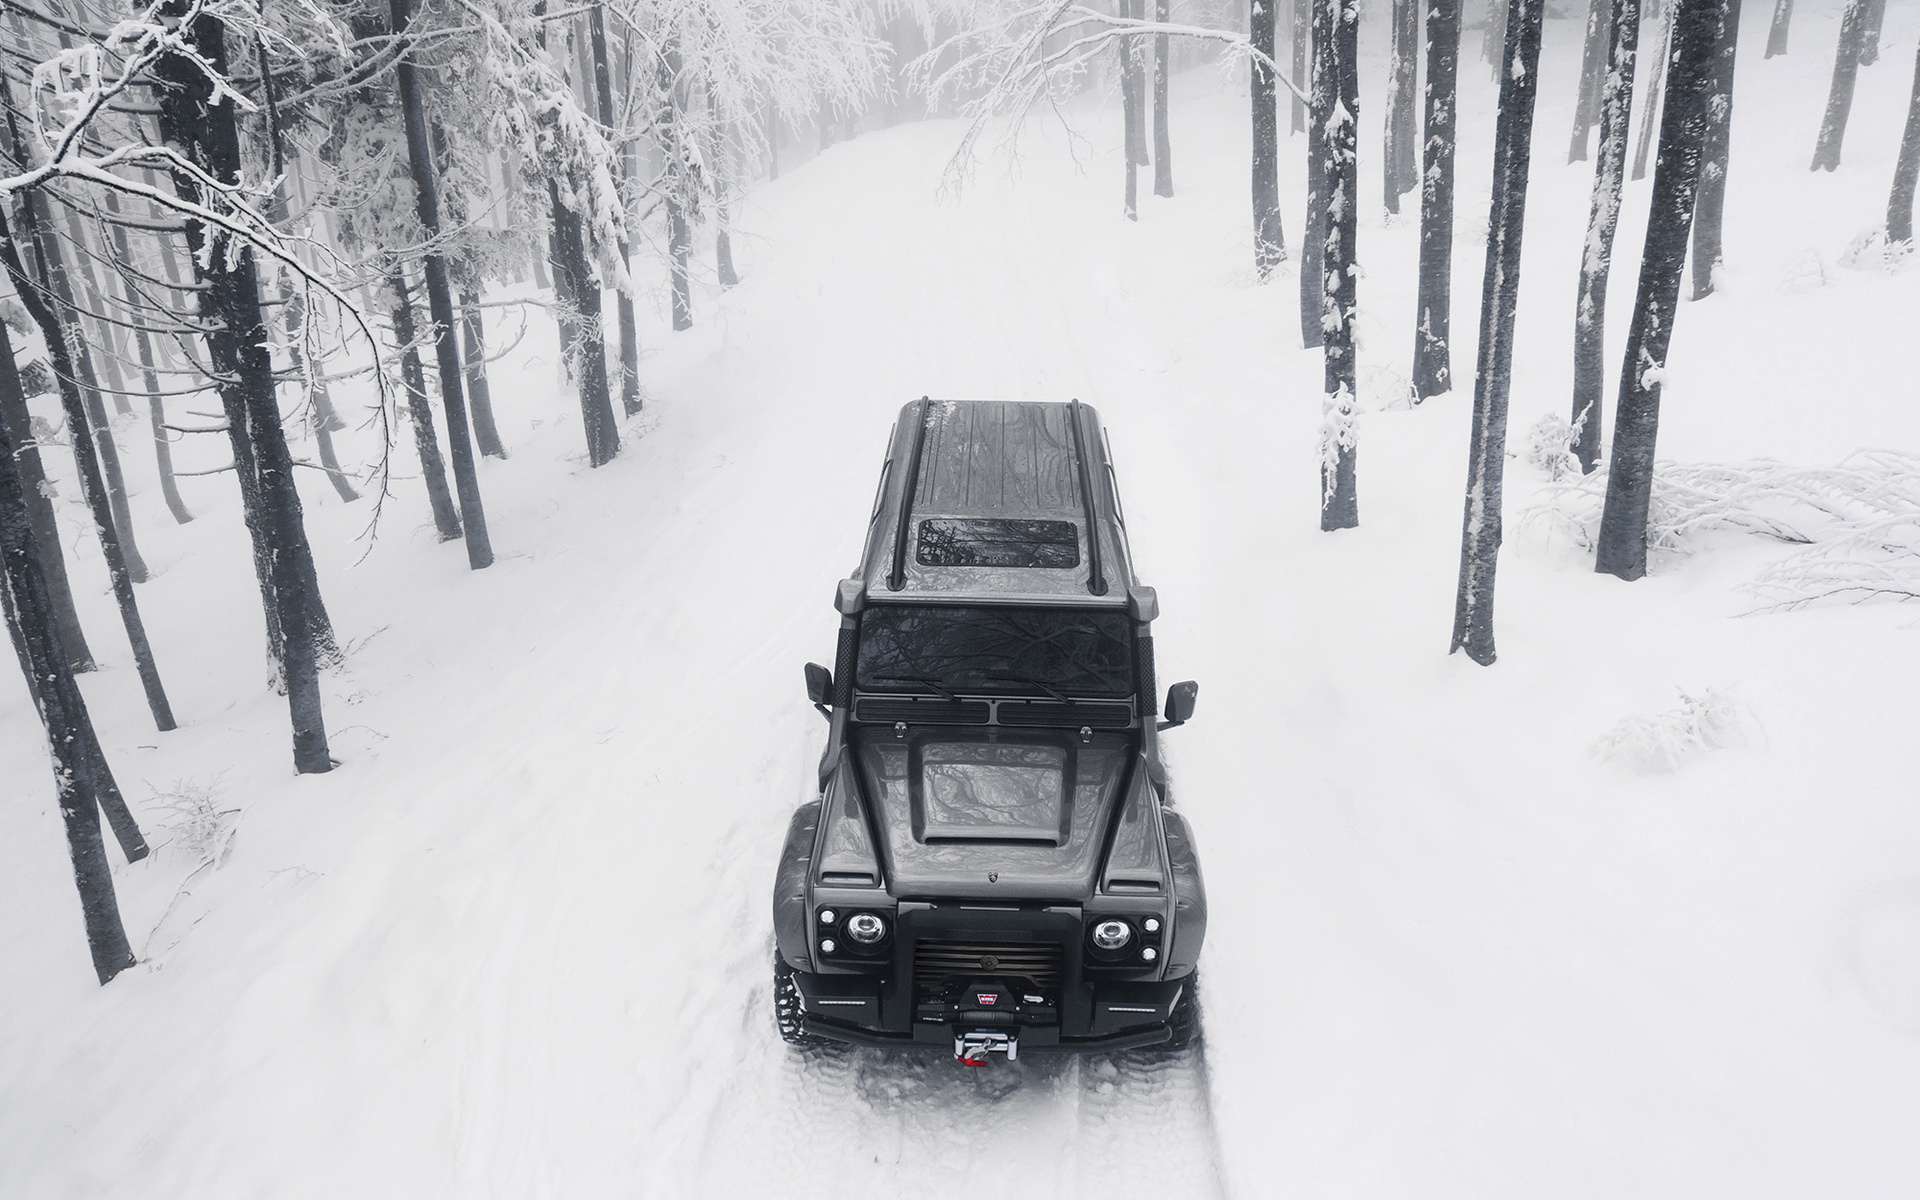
x=296, y=291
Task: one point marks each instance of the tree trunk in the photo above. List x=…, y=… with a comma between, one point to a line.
x=1846, y=66
x=1301, y=42
x=63, y=713
x=1269, y=243
x=93, y=296
x=1777, y=33
x=1707, y=254
x=623, y=288
x=587, y=355
x=1432, y=335
x=1339, y=506
x=1480, y=533
x=1650, y=113
x=1324, y=89
x=1590, y=307
x=1129, y=114
x=1162, y=138
x=1493, y=39
x=17, y=424
x=473, y=333
x=721, y=157
x=679, y=235
x=1586, y=108
x=466, y=479
x=446, y=519
x=143, y=346
x=203, y=125
x=1676, y=178
x=86, y=458
x=1403, y=81
x=1906, y=172
x=1135, y=77
x=91, y=427
x=1870, y=32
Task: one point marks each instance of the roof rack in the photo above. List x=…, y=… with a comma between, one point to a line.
x=897, y=578
x=1096, y=578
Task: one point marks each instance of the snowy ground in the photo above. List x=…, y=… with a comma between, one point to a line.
x=517, y=944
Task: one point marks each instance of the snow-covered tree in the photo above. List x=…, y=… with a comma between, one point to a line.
x=1499, y=299
x=1622, y=546
x=1707, y=252
x=1596, y=260
x=1433, y=308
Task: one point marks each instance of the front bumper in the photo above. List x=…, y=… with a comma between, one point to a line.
x=1037, y=1040
x=1079, y=1016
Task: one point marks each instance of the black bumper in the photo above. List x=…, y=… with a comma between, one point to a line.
x=1037, y=1040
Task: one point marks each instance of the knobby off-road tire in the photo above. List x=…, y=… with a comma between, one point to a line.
x=787, y=1009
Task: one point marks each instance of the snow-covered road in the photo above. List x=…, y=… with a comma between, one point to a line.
x=518, y=944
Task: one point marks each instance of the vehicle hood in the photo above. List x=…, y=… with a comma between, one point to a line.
x=1015, y=818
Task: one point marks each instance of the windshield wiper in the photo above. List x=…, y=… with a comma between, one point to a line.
x=933, y=685
x=1054, y=692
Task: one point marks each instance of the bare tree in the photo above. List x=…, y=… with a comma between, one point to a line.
x=1162, y=136
x=1300, y=42
x=1622, y=548
x=1500, y=294
x=86, y=458
x=1325, y=93
x=1777, y=31
x=1656, y=87
x=1906, y=171
x=1402, y=82
x=1269, y=243
x=1846, y=66
x=1590, y=307
x=433, y=469
x=41, y=522
x=1433, y=310
x=1339, y=505
x=1586, y=108
x=47, y=665
x=623, y=287
x=1870, y=32
x=466, y=480
x=1707, y=252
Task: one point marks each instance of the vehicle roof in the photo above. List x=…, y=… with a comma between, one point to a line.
x=997, y=459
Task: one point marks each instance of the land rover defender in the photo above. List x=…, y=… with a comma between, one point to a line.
x=992, y=865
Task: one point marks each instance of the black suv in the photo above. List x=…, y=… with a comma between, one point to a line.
x=992, y=865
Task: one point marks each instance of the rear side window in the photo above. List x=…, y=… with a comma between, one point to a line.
x=997, y=542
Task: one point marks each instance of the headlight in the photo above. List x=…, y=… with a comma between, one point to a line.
x=866, y=928
x=1111, y=935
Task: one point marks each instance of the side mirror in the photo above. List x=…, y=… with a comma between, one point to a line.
x=1179, y=707
x=820, y=688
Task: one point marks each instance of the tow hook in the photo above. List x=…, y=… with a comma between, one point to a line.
x=973, y=1046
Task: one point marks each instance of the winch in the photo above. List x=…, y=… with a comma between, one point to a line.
x=973, y=1046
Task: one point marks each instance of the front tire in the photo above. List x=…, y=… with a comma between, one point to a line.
x=788, y=1011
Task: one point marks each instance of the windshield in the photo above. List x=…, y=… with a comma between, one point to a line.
x=1019, y=651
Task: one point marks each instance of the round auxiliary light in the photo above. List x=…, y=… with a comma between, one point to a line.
x=866, y=928
x=1148, y=954
x=1151, y=924
x=826, y=916
x=827, y=946
x=1112, y=935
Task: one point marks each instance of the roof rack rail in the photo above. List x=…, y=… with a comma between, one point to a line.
x=1096, y=578
x=897, y=578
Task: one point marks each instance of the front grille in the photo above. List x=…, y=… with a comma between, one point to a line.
x=935, y=964
x=922, y=712
x=1095, y=715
